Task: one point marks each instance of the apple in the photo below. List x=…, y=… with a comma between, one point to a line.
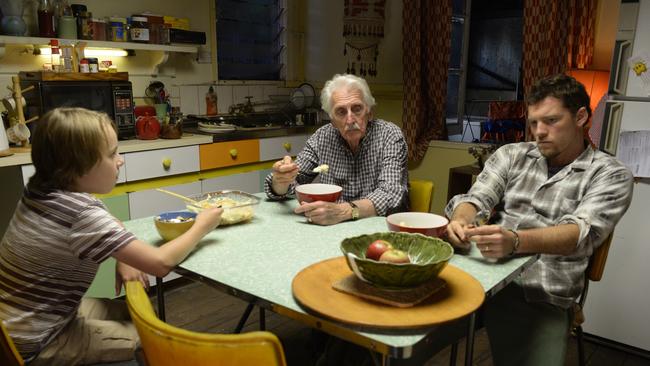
x=395, y=256
x=377, y=248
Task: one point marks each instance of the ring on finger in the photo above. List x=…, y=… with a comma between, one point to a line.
x=309, y=219
x=487, y=249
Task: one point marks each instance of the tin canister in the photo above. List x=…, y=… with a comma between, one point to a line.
x=118, y=29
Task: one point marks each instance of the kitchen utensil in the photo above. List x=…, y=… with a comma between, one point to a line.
x=237, y=206
x=297, y=99
x=171, y=225
x=418, y=222
x=309, y=94
x=18, y=132
x=147, y=128
x=184, y=198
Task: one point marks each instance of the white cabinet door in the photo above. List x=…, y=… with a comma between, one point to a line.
x=161, y=163
x=151, y=202
x=247, y=182
x=276, y=147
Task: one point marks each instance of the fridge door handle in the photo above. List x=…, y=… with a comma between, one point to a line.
x=618, y=82
x=612, y=127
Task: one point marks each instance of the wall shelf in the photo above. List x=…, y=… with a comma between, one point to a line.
x=16, y=40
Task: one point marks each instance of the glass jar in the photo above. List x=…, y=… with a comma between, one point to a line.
x=98, y=29
x=139, y=31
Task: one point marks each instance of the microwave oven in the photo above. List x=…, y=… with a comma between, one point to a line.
x=111, y=94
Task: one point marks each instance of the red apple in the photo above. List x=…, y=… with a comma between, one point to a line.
x=377, y=248
x=394, y=256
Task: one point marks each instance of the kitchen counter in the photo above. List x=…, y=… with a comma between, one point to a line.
x=192, y=136
x=261, y=133
x=125, y=146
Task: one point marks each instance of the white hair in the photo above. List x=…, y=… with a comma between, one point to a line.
x=347, y=82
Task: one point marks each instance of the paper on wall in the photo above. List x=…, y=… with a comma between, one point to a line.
x=640, y=64
x=634, y=152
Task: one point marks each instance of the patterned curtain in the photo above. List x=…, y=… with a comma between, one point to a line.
x=545, y=39
x=426, y=33
x=581, y=33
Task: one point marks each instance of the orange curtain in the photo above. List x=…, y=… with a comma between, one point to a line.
x=426, y=33
x=581, y=33
x=558, y=35
x=545, y=39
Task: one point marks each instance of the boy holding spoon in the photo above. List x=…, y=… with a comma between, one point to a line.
x=59, y=235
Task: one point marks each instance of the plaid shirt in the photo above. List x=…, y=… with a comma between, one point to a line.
x=377, y=171
x=593, y=192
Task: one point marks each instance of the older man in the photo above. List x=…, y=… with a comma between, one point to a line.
x=557, y=197
x=367, y=157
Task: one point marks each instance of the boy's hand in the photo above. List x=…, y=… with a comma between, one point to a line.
x=209, y=219
x=125, y=273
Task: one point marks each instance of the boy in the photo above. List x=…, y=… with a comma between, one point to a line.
x=59, y=235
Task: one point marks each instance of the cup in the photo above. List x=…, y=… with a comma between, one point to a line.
x=4, y=143
x=18, y=132
x=161, y=111
x=10, y=103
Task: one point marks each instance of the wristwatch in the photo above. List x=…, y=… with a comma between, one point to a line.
x=355, y=210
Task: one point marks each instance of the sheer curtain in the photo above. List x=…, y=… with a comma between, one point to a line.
x=426, y=33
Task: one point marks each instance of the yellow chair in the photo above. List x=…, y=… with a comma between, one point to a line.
x=420, y=195
x=594, y=272
x=9, y=355
x=164, y=344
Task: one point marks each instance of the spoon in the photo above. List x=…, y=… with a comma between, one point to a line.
x=187, y=199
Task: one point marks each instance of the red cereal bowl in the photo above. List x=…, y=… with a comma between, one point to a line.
x=318, y=192
x=418, y=222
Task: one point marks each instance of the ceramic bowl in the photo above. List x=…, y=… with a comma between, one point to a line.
x=418, y=222
x=171, y=225
x=427, y=255
x=318, y=192
x=237, y=206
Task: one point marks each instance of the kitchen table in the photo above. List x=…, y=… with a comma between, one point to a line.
x=258, y=260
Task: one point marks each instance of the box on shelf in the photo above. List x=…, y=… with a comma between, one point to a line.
x=178, y=23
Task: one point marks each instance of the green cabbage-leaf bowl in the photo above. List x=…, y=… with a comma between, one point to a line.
x=427, y=255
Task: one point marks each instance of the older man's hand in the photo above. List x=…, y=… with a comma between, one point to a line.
x=284, y=173
x=324, y=213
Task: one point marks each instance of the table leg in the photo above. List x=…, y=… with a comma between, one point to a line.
x=469, y=346
x=244, y=317
x=385, y=360
x=160, y=295
x=262, y=319
x=454, y=354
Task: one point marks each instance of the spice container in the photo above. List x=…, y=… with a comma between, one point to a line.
x=93, y=64
x=118, y=29
x=139, y=31
x=77, y=9
x=83, y=65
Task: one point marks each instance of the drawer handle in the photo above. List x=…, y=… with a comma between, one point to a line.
x=167, y=163
x=233, y=153
x=287, y=146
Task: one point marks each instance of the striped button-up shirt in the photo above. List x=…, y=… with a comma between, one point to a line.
x=593, y=192
x=377, y=172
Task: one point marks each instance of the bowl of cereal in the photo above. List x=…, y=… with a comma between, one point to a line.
x=418, y=222
x=237, y=206
x=171, y=225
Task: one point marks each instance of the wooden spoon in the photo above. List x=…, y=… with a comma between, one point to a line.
x=187, y=199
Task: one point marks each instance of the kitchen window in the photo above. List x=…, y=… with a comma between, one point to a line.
x=455, y=106
x=251, y=39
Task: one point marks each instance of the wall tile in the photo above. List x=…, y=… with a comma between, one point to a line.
x=189, y=100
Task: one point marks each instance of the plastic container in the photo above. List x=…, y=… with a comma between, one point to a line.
x=56, y=55
x=237, y=206
x=139, y=31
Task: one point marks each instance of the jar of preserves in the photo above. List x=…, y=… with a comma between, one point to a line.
x=93, y=64
x=139, y=31
x=84, y=65
x=98, y=29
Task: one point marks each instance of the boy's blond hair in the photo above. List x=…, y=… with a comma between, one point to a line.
x=66, y=144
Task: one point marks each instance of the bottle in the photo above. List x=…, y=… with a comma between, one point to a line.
x=67, y=63
x=56, y=56
x=211, y=102
x=45, y=19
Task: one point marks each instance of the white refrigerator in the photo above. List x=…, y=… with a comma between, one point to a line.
x=617, y=307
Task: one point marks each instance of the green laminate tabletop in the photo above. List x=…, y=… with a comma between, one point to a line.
x=260, y=258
